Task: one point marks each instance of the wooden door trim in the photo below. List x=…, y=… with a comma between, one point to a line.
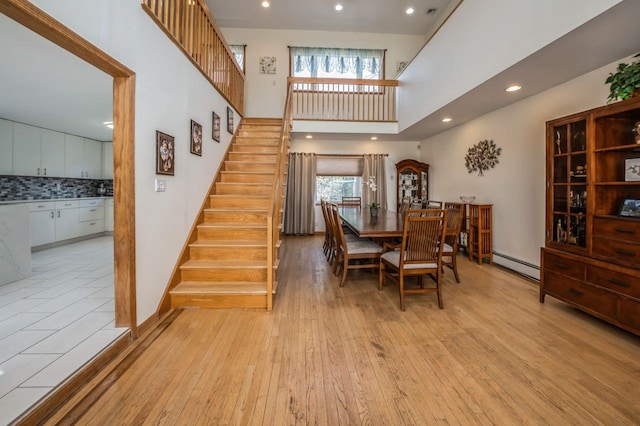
x=30, y=16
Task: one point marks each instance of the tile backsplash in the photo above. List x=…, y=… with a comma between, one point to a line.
x=42, y=188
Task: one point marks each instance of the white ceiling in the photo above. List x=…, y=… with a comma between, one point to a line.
x=44, y=85
x=374, y=16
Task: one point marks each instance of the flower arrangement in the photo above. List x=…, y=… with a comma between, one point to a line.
x=373, y=187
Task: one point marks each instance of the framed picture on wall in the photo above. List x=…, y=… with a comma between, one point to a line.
x=196, y=138
x=216, y=127
x=229, y=120
x=165, y=154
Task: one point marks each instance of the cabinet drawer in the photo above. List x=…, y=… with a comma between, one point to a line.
x=564, y=266
x=91, y=203
x=91, y=213
x=622, y=283
x=615, y=249
x=590, y=297
x=41, y=206
x=630, y=313
x=92, y=227
x=617, y=229
x=71, y=204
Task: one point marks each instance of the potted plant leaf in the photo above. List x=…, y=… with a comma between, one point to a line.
x=625, y=82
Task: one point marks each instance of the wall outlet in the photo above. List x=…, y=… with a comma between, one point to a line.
x=160, y=185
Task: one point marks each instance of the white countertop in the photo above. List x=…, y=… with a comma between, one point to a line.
x=41, y=200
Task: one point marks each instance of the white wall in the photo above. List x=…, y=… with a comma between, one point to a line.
x=397, y=151
x=516, y=186
x=265, y=93
x=169, y=93
x=487, y=36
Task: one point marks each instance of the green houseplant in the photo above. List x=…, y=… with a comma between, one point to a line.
x=625, y=82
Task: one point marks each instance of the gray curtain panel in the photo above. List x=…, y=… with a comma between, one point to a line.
x=299, y=216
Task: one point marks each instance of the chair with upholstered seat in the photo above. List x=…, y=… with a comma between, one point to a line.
x=327, y=246
x=432, y=204
x=420, y=254
x=364, y=251
x=452, y=236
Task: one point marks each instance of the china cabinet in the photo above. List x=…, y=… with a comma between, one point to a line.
x=413, y=182
x=591, y=257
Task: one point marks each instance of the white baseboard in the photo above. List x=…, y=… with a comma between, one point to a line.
x=517, y=265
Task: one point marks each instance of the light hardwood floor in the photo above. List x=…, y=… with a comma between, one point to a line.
x=329, y=355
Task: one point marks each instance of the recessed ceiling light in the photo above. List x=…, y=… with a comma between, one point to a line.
x=446, y=119
x=338, y=7
x=410, y=11
x=109, y=124
x=266, y=4
x=374, y=138
x=309, y=137
x=513, y=88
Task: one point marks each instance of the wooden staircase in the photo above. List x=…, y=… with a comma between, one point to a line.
x=225, y=264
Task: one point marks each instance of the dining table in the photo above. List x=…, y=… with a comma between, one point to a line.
x=387, y=224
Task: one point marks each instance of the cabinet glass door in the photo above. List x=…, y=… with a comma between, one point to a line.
x=569, y=183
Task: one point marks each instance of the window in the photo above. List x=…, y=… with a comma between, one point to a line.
x=338, y=176
x=333, y=188
x=325, y=62
x=238, y=51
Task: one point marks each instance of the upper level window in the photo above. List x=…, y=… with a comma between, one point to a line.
x=238, y=51
x=325, y=62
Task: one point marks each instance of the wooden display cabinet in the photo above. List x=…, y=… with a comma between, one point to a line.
x=591, y=257
x=413, y=182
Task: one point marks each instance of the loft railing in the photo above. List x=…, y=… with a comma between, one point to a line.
x=333, y=99
x=274, y=216
x=190, y=25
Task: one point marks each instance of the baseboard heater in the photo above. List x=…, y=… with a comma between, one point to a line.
x=527, y=269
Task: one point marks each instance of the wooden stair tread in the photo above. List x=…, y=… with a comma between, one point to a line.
x=236, y=211
x=226, y=225
x=223, y=264
x=222, y=287
x=237, y=172
x=243, y=184
x=226, y=243
x=250, y=197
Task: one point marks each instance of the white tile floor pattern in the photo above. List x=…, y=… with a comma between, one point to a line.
x=55, y=321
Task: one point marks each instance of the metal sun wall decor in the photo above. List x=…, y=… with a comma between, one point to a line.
x=482, y=156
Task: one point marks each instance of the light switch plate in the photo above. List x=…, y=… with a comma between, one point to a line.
x=160, y=185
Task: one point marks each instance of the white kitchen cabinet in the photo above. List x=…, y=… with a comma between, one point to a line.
x=73, y=156
x=108, y=215
x=92, y=159
x=27, y=150
x=6, y=147
x=52, y=153
x=67, y=217
x=42, y=223
x=107, y=160
x=82, y=157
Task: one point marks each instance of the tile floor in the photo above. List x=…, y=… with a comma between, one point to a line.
x=54, y=321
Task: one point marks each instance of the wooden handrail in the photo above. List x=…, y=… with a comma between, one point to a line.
x=190, y=25
x=341, y=99
x=274, y=215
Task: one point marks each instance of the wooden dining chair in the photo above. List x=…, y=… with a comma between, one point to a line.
x=420, y=254
x=451, y=239
x=351, y=202
x=328, y=239
x=364, y=253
